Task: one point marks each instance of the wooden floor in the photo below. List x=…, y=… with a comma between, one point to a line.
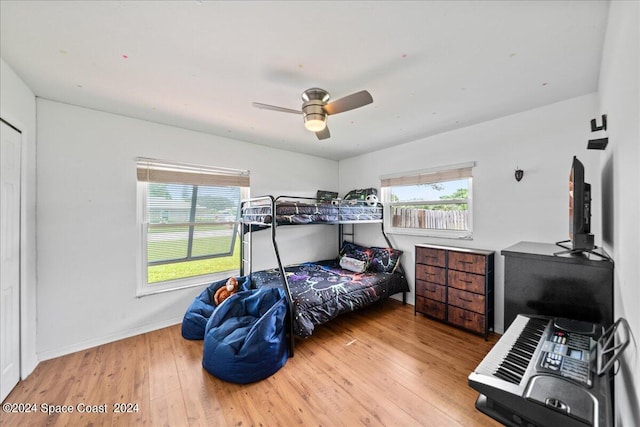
x=382, y=366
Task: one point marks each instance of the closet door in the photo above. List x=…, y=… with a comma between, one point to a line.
x=10, y=148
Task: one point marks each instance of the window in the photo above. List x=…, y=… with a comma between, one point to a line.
x=188, y=217
x=432, y=202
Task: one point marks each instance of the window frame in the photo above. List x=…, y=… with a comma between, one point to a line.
x=428, y=176
x=143, y=287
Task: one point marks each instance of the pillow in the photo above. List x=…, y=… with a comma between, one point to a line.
x=326, y=196
x=356, y=252
x=360, y=194
x=352, y=264
x=384, y=260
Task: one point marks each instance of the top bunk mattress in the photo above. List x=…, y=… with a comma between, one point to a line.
x=292, y=212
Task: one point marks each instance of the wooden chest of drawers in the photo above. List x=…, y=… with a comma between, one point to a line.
x=455, y=285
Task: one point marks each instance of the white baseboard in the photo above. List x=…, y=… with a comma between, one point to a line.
x=84, y=345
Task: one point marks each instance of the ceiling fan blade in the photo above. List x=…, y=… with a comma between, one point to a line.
x=323, y=134
x=274, y=108
x=349, y=102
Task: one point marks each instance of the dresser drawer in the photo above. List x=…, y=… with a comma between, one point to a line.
x=430, y=290
x=466, y=300
x=432, y=274
x=430, y=256
x=430, y=307
x=471, y=263
x=466, y=281
x=466, y=319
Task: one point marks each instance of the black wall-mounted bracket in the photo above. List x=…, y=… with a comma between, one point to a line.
x=597, y=144
x=595, y=127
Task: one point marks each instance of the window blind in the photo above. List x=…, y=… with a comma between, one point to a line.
x=159, y=171
x=427, y=176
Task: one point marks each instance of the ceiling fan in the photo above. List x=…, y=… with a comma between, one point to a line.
x=315, y=108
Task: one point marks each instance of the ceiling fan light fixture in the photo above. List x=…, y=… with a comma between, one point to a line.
x=315, y=122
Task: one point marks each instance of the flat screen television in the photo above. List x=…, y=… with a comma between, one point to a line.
x=579, y=209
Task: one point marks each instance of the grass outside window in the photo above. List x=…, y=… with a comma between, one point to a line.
x=176, y=249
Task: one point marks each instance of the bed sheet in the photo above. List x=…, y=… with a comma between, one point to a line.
x=322, y=290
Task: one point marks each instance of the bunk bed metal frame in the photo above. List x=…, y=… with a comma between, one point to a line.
x=267, y=219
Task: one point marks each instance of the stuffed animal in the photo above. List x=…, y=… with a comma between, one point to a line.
x=226, y=291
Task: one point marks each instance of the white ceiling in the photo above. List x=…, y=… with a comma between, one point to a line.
x=431, y=66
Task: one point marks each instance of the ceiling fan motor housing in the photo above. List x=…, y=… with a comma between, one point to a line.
x=312, y=108
x=315, y=93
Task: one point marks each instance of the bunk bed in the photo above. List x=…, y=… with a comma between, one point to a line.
x=319, y=291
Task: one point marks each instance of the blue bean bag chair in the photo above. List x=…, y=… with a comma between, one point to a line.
x=198, y=314
x=245, y=337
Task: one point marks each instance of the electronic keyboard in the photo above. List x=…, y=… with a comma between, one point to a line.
x=544, y=371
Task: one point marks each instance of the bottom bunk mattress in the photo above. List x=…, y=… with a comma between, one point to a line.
x=322, y=290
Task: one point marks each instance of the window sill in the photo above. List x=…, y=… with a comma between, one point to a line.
x=443, y=234
x=186, y=283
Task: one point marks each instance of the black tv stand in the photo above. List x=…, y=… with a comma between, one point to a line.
x=571, y=251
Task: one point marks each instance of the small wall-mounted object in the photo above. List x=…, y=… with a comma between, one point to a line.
x=599, y=143
x=595, y=127
x=519, y=174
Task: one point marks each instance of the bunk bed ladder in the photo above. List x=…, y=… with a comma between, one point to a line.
x=245, y=250
x=342, y=233
x=400, y=266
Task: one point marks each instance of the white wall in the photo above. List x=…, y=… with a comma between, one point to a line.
x=87, y=235
x=18, y=107
x=542, y=142
x=619, y=93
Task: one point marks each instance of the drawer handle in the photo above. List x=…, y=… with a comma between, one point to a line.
x=466, y=281
x=464, y=299
x=465, y=262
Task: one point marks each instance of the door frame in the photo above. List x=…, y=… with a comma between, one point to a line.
x=20, y=284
